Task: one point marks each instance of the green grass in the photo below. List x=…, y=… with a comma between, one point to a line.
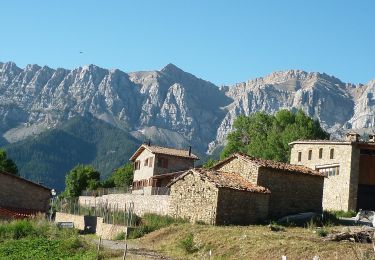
x=343, y=214
x=38, y=239
x=151, y=222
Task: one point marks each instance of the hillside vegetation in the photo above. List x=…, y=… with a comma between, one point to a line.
x=189, y=241
x=50, y=155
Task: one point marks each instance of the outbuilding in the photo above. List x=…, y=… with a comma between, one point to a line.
x=219, y=198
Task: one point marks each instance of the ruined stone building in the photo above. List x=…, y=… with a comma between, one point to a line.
x=294, y=189
x=20, y=197
x=156, y=166
x=218, y=198
x=348, y=165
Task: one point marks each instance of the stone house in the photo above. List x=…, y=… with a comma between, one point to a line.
x=20, y=197
x=349, y=166
x=215, y=197
x=294, y=188
x=156, y=166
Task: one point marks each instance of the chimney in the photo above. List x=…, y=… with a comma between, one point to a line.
x=189, y=150
x=371, y=138
x=352, y=137
x=149, y=142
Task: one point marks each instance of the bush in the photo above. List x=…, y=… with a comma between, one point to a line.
x=151, y=222
x=120, y=236
x=343, y=214
x=322, y=232
x=188, y=244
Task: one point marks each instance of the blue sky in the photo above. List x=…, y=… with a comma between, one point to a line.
x=220, y=41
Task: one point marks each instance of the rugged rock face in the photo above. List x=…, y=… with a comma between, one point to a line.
x=171, y=105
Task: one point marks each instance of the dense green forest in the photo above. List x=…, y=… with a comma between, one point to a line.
x=49, y=156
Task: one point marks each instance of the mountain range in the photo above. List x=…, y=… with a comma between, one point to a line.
x=168, y=106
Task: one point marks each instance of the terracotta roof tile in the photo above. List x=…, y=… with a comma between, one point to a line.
x=17, y=213
x=272, y=165
x=164, y=150
x=224, y=180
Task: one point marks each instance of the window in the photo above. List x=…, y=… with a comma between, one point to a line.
x=299, y=156
x=146, y=162
x=330, y=170
x=137, y=165
x=320, y=153
x=162, y=162
x=310, y=154
x=150, y=162
x=331, y=153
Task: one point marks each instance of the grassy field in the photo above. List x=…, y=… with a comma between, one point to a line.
x=39, y=239
x=186, y=241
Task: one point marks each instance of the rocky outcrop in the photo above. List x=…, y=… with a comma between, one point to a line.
x=171, y=104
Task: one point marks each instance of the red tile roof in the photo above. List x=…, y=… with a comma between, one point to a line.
x=224, y=180
x=164, y=150
x=17, y=213
x=291, y=168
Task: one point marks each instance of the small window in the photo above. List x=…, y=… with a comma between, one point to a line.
x=320, y=153
x=332, y=153
x=299, y=156
x=310, y=154
x=150, y=161
x=137, y=165
x=163, y=162
x=146, y=162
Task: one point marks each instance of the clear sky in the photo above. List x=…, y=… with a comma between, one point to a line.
x=220, y=41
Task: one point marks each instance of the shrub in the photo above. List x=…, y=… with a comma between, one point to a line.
x=120, y=236
x=151, y=222
x=322, y=232
x=343, y=214
x=188, y=244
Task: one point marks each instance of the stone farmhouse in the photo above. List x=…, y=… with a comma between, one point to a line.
x=294, y=189
x=243, y=189
x=217, y=198
x=21, y=198
x=156, y=166
x=348, y=165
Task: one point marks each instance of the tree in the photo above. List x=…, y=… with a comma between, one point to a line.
x=6, y=164
x=209, y=163
x=121, y=177
x=268, y=136
x=80, y=178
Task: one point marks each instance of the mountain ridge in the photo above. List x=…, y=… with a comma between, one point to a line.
x=171, y=100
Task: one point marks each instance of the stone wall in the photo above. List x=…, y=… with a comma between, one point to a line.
x=158, y=204
x=340, y=191
x=79, y=221
x=16, y=192
x=194, y=199
x=241, y=207
x=247, y=170
x=109, y=231
x=106, y=231
x=291, y=192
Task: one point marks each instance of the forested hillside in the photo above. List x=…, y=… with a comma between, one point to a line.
x=86, y=140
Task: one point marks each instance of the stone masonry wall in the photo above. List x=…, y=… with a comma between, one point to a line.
x=106, y=231
x=194, y=199
x=158, y=204
x=291, y=192
x=340, y=191
x=79, y=221
x=241, y=207
x=18, y=193
x=247, y=170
